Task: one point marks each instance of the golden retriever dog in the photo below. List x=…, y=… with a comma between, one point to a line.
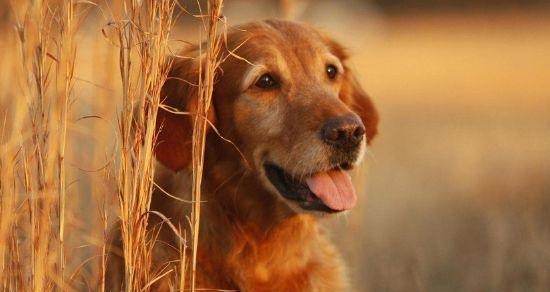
x=298, y=121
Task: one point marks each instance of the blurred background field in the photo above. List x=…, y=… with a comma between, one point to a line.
x=456, y=195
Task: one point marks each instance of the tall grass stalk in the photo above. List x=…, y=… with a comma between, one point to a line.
x=35, y=39
x=143, y=37
x=10, y=273
x=65, y=76
x=207, y=73
x=35, y=141
x=34, y=146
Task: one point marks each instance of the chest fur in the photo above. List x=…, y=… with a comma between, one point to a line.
x=294, y=256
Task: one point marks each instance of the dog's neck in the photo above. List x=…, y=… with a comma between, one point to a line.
x=245, y=228
x=270, y=243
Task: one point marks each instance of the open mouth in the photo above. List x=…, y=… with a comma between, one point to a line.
x=326, y=191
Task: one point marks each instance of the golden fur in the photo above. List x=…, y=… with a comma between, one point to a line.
x=251, y=239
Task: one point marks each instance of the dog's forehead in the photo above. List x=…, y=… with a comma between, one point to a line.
x=287, y=50
x=277, y=38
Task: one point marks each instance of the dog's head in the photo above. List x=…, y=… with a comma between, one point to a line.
x=288, y=100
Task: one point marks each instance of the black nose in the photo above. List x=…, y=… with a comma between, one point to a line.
x=343, y=131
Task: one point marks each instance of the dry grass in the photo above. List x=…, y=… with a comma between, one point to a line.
x=142, y=35
x=200, y=124
x=41, y=130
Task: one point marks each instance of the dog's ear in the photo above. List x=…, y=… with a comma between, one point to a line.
x=353, y=95
x=175, y=130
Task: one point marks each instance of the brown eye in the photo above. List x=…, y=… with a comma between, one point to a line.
x=266, y=81
x=331, y=71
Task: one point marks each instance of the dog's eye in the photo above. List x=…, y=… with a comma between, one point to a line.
x=331, y=71
x=266, y=81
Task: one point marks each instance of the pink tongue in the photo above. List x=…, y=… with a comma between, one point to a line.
x=334, y=188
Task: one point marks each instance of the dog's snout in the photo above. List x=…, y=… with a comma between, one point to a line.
x=343, y=131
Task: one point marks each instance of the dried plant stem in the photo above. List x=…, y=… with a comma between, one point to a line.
x=46, y=41
x=67, y=55
x=34, y=166
x=9, y=259
x=206, y=86
x=144, y=35
x=35, y=34
x=183, y=262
